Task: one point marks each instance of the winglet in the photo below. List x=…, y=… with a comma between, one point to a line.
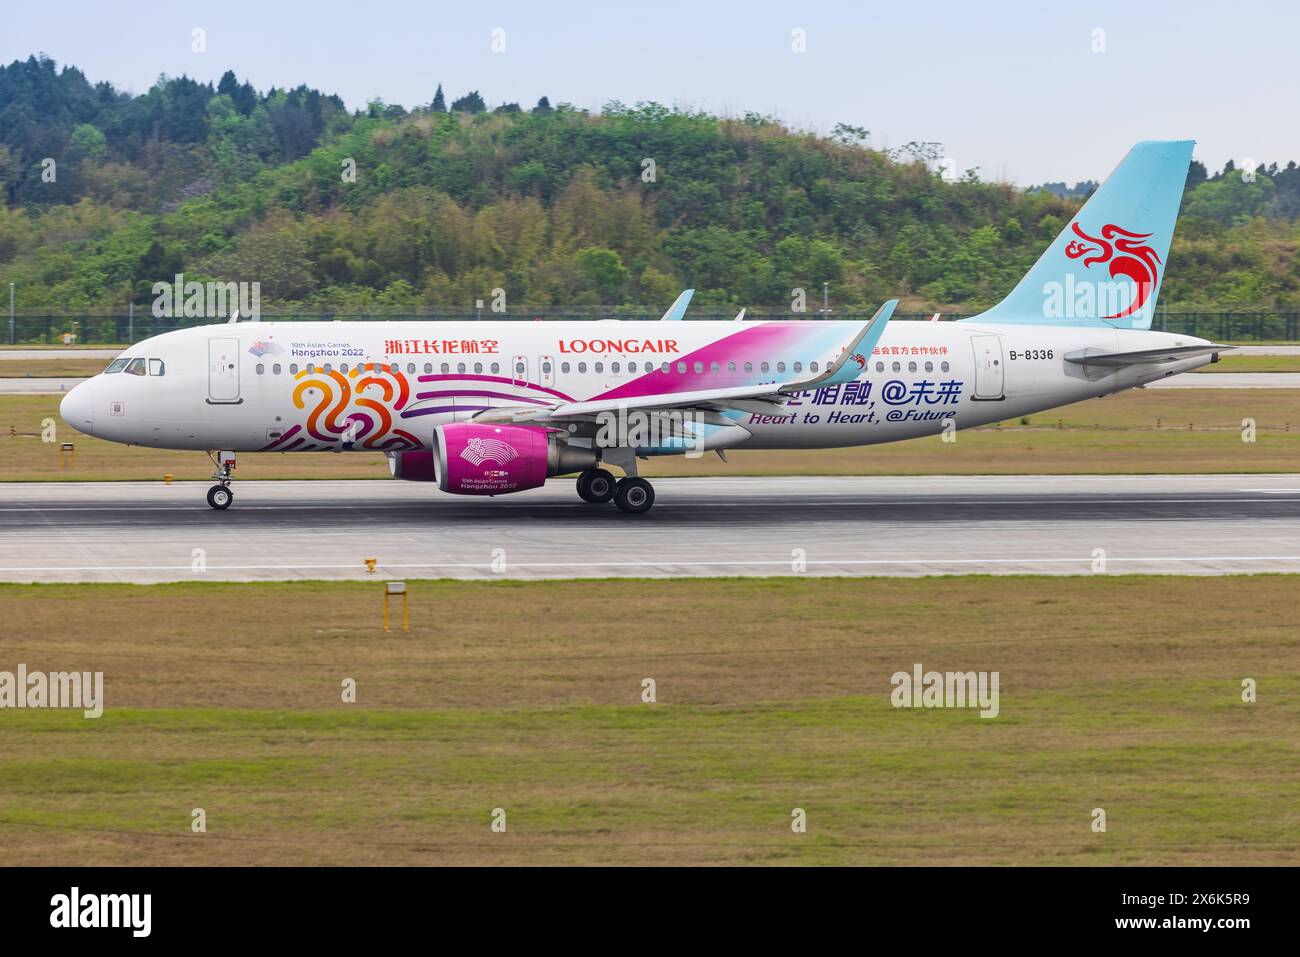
x=740, y=316
x=853, y=359
x=678, y=308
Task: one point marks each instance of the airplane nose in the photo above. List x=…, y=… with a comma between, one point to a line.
x=77, y=409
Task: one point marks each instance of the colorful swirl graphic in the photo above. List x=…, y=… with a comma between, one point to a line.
x=354, y=409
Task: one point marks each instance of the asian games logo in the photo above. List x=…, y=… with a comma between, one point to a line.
x=479, y=450
x=1127, y=254
x=266, y=348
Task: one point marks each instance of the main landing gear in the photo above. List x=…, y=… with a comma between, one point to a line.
x=632, y=495
x=220, y=496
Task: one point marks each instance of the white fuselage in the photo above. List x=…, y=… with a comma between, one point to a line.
x=295, y=386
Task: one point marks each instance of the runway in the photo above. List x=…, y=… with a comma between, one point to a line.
x=1058, y=525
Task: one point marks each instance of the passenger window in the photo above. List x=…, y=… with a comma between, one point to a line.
x=259, y=369
x=780, y=367
x=897, y=367
x=496, y=367
x=115, y=366
x=699, y=367
x=631, y=367
x=681, y=367
x=564, y=367
x=546, y=368
x=929, y=367
x=135, y=367
x=798, y=367
x=327, y=367
x=156, y=367
x=613, y=367
x=665, y=367
x=445, y=368
x=311, y=367
x=582, y=367
x=410, y=368
x=764, y=367
x=460, y=367
x=600, y=367
x=428, y=368
x=713, y=367
x=275, y=369
x=880, y=367
x=911, y=367
x=943, y=366
x=293, y=368
x=395, y=367
x=343, y=367
x=812, y=367
x=478, y=368
x=749, y=367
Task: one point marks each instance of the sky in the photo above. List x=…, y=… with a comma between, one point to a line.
x=1024, y=92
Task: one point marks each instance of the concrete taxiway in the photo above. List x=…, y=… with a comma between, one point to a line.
x=1230, y=380
x=25, y=386
x=31, y=354
x=137, y=532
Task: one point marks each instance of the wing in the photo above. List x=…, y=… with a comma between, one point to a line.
x=762, y=398
x=678, y=308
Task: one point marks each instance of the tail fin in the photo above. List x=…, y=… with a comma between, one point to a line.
x=1105, y=267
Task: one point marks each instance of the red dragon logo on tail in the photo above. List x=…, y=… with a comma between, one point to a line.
x=1127, y=254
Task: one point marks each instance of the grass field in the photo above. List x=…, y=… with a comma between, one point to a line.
x=1119, y=693
x=1185, y=430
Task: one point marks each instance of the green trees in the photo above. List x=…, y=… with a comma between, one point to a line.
x=335, y=211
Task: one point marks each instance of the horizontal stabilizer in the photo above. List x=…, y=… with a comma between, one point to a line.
x=1145, y=356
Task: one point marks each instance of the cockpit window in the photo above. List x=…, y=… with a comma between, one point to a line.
x=115, y=366
x=135, y=367
x=156, y=367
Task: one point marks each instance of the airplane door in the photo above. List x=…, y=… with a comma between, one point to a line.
x=989, y=369
x=546, y=367
x=519, y=370
x=223, y=370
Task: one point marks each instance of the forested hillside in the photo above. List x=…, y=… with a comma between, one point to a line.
x=106, y=194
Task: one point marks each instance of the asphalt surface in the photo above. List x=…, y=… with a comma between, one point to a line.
x=149, y=532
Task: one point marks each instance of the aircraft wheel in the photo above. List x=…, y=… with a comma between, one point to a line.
x=596, y=486
x=634, y=496
x=220, y=497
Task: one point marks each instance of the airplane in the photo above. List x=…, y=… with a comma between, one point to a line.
x=484, y=407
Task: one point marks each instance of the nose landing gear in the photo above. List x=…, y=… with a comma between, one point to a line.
x=220, y=496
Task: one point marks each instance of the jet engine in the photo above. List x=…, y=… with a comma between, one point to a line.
x=468, y=458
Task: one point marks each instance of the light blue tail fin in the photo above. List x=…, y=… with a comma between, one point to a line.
x=1105, y=267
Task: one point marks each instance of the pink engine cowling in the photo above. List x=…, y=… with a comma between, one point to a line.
x=468, y=458
x=472, y=459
